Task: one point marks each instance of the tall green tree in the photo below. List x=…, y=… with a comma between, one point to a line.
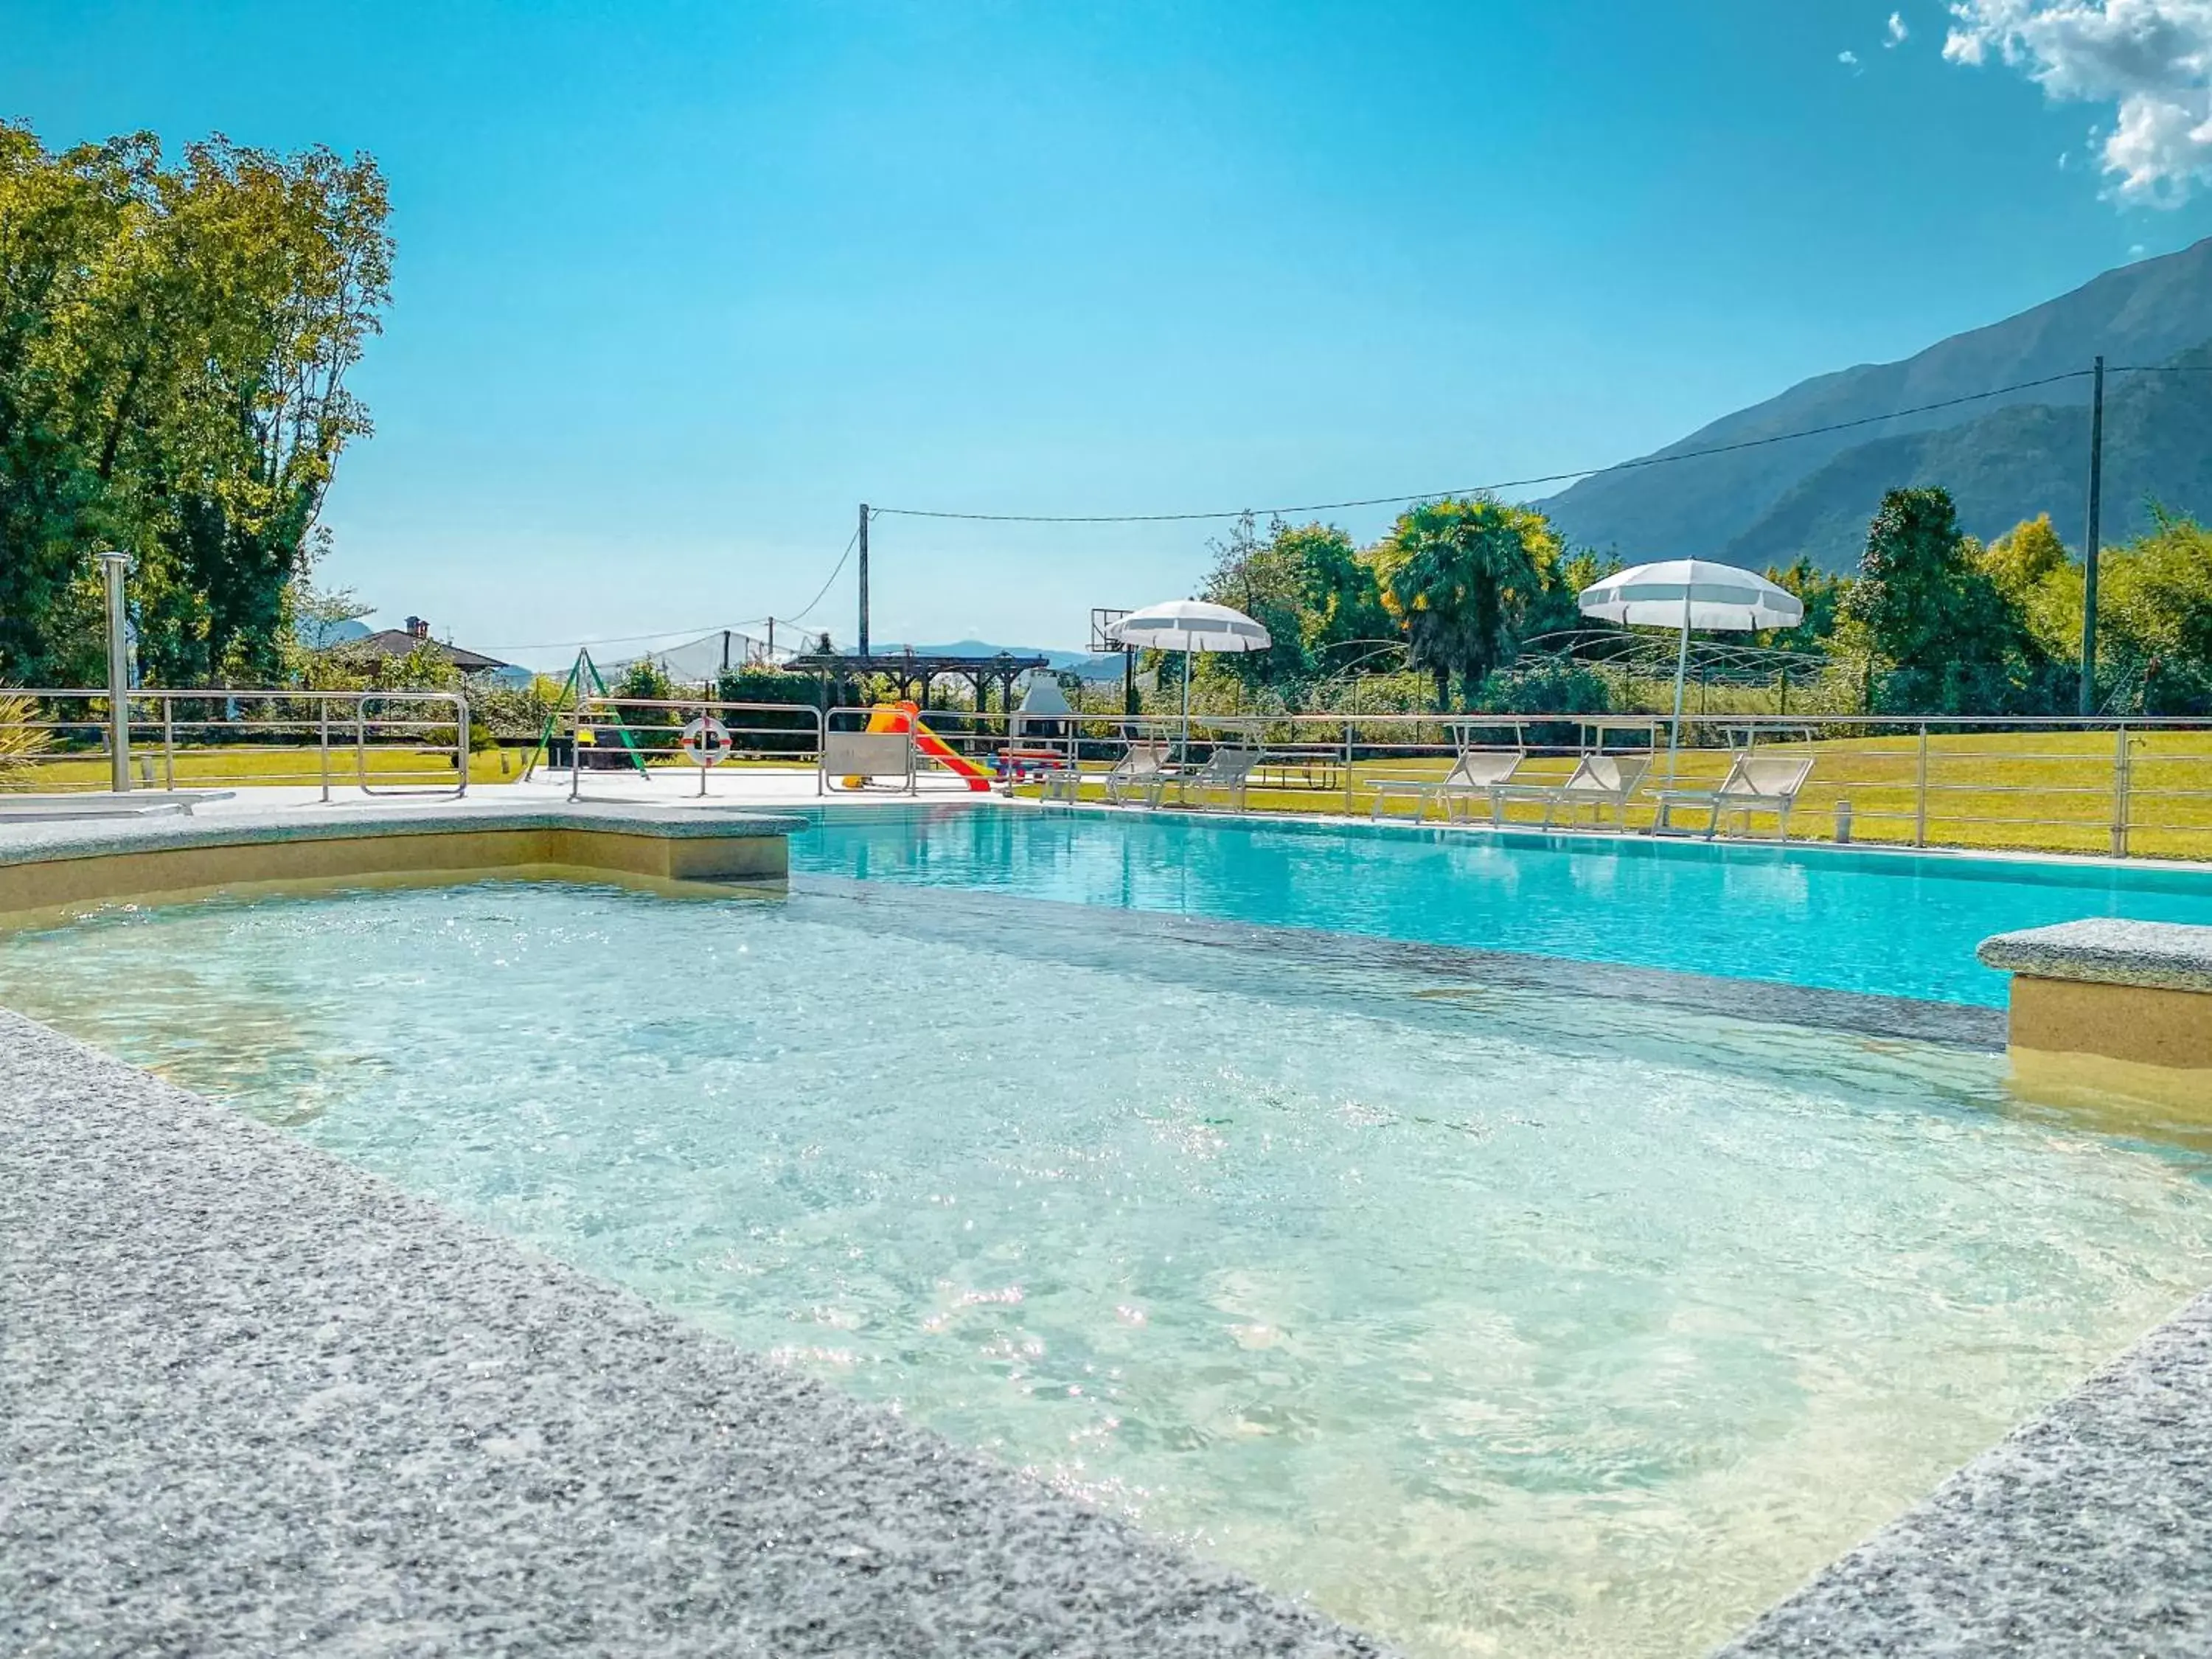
x=174, y=344
x=1461, y=577
x=2021, y=559
x=1943, y=636
x=1309, y=585
x=1822, y=595
x=2154, y=619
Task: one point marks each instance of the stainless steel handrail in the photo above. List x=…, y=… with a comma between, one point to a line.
x=1904, y=778
x=594, y=711
x=440, y=711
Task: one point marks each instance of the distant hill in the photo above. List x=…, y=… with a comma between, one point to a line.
x=2005, y=459
x=2009, y=466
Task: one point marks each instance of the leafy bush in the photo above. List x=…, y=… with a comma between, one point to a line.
x=803, y=691
x=1552, y=689
x=21, y=744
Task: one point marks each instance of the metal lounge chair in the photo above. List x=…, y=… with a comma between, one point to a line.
x=1598, y=781
x=1478, y=774
x=1143, y=770
x=1755, y=783
x=1229, y=770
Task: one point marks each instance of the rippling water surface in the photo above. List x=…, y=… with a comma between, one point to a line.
x=1498, y=1323
x=1888, y=923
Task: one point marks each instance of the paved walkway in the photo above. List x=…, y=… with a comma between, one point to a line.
x=726, y=787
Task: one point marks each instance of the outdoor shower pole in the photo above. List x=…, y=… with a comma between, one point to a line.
x=119, y=675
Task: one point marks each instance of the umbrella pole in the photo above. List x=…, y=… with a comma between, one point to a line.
x=1682, y=673
x=1183, y=758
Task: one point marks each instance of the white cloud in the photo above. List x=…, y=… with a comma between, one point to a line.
x=1898, y=34
x=1848, y=59
x=2152, y=59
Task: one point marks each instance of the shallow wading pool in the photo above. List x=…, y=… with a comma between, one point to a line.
x=1495, y=1321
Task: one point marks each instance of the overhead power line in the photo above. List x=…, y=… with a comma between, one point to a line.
x=832, y=582
x=691, y=629
x=1501, y=484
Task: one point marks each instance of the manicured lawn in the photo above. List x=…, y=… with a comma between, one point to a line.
x=245, y=764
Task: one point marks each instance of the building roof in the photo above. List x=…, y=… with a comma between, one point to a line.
x=399, y=643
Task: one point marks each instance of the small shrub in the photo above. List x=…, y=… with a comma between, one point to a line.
x=20, y=743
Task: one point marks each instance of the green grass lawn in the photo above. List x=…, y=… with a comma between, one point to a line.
x=234, y=766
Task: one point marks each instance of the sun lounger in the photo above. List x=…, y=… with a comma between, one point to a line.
x=1142, y=770
x=1477, y=776
x=1229, y=770
x=1598, y=781
x=1755, y=783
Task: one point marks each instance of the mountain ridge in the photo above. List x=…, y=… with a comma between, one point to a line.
x=2147, y=312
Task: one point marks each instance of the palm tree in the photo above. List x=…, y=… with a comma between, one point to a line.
x=1458, y=576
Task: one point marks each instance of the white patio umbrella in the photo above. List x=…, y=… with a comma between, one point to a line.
x=1687, y=594
x=1189, y=625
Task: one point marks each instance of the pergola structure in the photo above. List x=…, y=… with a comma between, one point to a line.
x=914, y=672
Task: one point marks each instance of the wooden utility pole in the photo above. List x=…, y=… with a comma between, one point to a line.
x=2089, y=542
x=863, y=578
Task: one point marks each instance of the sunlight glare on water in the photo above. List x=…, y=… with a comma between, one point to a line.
x=1494, y=1321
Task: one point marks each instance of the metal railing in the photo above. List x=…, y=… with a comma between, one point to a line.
x=2120, y=787
x=617, y=734
x=644, y=737
x=69, y=739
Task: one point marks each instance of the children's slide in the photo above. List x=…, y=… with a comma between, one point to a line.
x=895, y=716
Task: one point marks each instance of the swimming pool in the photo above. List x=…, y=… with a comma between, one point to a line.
x=1887, y=924
x=1492, y=1319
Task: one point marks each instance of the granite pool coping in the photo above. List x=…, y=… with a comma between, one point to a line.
x=38, y=841
x=2166, y=955
x=254, y=1400
x=2088, y=1531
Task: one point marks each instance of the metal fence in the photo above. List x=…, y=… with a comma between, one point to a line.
x=636, y=734
x=69, y=740
x=2123, y=788
x=2116, y=787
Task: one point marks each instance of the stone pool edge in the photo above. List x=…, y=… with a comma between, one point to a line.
x=2106, y=1002
x=2087, y=1530
x=44, y=865
x=253, y=1398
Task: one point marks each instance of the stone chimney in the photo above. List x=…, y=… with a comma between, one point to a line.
x=417, y=629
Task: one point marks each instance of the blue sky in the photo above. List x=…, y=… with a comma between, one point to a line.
x=679, y=284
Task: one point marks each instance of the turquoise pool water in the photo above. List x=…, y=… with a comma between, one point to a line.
x=1497, y=1322
x=1886, y=923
